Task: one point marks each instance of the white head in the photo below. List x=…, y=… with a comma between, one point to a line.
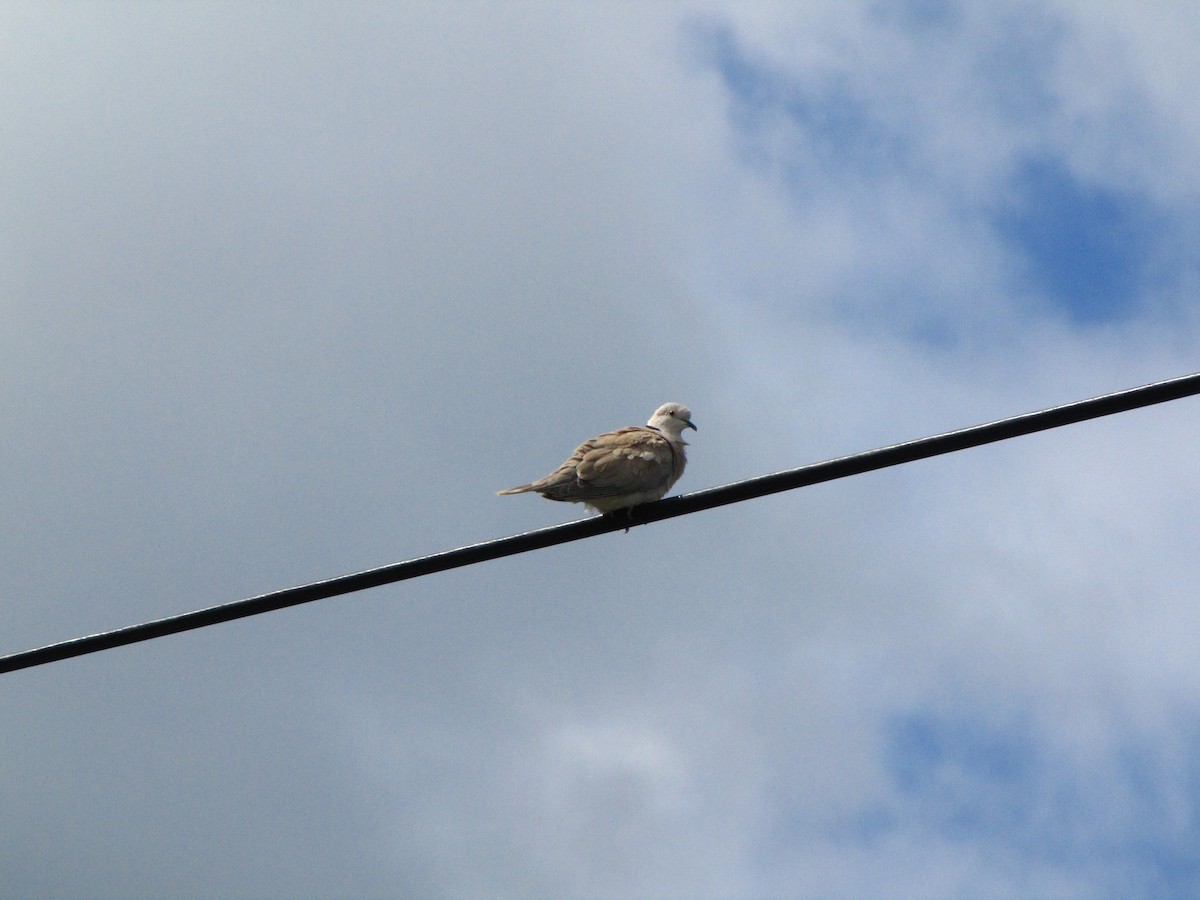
x=671, y=419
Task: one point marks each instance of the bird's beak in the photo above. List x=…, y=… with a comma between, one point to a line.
x=688, y=423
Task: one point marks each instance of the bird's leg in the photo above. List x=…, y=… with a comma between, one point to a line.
x=622, y=515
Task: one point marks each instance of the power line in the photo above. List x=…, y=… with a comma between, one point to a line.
x=869, y=461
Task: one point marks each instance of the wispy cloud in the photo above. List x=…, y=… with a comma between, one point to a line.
x=278, y=308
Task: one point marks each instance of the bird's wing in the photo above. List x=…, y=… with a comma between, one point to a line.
x=625, y=461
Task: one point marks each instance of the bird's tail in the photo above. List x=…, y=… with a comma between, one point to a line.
x=519, y=489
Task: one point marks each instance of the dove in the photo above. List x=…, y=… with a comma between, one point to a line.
x=623, y=468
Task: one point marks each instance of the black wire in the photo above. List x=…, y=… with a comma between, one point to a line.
x=685, y=504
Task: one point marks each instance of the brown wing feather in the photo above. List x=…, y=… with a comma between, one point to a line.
x=626, y=461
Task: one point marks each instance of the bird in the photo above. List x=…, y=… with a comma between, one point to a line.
x=621, y=469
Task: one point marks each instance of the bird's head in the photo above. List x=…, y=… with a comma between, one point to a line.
x=672, y=419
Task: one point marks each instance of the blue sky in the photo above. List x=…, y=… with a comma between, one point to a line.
x=291, y=291
x=1087, y=248
x=1081, y=246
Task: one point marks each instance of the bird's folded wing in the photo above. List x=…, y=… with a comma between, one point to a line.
x=626, y=461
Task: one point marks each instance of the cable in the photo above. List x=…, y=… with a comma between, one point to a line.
x=869, y=461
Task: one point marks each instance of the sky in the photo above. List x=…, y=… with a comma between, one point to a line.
x=289, y=290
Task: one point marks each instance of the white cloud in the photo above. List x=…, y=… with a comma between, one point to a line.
x=291, y=293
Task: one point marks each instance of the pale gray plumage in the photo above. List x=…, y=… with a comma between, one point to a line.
x=623, y=468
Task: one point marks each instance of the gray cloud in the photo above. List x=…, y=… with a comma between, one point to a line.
x=291, y=290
